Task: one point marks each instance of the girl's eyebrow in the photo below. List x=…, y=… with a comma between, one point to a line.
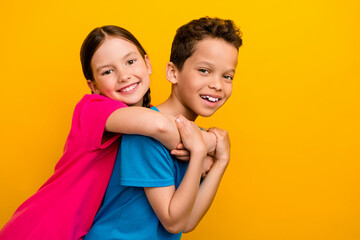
x=103, y=66
x=109, y=65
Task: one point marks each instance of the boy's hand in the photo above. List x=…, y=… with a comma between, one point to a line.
x=181, y=153
x=191, y=135
x=184, y=155
x=222, y=151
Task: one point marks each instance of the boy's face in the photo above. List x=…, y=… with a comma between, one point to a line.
x=205, y=82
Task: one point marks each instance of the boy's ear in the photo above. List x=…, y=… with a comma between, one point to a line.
x=148, y=64
x=171, y=73
x=92, y=86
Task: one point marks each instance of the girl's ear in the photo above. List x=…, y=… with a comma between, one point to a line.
x=93, y=87
x=171, y=73
x=148, y=64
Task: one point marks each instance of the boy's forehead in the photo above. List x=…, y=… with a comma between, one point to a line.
x=213, y=50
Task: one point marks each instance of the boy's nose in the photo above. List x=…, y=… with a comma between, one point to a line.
x=216, y=84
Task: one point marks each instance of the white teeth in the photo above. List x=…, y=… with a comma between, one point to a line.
x=129, y=88
x=211, y=99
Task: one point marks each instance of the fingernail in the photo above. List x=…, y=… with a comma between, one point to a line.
x=178, y=119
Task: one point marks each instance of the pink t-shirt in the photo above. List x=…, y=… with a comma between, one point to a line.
x=65, y=206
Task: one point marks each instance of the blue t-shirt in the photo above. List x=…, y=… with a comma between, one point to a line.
x=126, y=212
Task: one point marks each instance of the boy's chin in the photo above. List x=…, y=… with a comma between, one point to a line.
x=206, y=113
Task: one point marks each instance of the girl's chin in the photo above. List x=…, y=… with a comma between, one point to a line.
x=133, y=103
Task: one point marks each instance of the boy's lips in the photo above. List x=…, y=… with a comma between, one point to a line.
x=129, y=88
x=210, y=98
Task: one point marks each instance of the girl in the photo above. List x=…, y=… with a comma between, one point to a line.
x=117, y=71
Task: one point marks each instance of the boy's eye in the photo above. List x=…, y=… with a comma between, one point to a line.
x=203, y=70
x=107, y=72
x=227, y=77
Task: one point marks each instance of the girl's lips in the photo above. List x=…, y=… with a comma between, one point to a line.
x=129, y=89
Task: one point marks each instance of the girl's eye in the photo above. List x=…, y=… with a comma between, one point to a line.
x=203, y=70
x=227, y=77
x=130, y=62
x=107, y=72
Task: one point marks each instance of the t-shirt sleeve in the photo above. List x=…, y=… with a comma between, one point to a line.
x=93, y=116
x=144, y=162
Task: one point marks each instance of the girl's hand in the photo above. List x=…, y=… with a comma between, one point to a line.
x=181, y=153
x=222, y=151
x=191, y=135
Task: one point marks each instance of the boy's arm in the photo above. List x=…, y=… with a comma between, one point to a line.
x=210, y=184
x=144, y=121
x=173, y=207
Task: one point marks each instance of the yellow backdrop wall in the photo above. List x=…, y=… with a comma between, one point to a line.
x=293, y=117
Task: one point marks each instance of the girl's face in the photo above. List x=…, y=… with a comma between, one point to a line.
x=120, y=72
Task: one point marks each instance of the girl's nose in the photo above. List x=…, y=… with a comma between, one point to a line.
x=123, y=75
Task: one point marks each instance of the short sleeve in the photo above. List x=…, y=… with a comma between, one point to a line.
x=93, y=115
x=144, y=162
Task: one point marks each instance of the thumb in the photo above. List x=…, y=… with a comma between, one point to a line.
x=182, y=125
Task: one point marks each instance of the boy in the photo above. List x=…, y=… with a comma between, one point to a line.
x=150, y=195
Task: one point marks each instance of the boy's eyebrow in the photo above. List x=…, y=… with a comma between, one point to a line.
x=207, y=63
x=109, y=65
x=214, y=66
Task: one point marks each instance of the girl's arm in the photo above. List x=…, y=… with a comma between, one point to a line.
x=144, y=121
x=210, y=184
x=173, y=207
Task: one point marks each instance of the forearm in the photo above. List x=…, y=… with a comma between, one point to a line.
x=144, y=121
x=168, y=134
x=185, y=196
x=205, y=196
x=174, y=208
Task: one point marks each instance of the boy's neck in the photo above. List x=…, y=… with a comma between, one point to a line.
x=174, y=107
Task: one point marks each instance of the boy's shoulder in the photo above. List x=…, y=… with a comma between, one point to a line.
x=141, y=144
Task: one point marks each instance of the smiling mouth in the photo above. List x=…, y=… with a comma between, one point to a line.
x=209, y=98
x=128, y=88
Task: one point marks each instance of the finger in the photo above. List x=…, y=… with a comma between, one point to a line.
x=184, y=158
x=186, y=128
x=181, y=123
x=214, y=130
x=180, y=152
x=180, y=146
x=220, y=133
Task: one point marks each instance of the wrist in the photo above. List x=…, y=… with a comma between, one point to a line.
x=198, y=153
x=210, y=142
x=221, y=164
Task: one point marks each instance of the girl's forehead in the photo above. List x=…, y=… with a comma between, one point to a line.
x=118, y=42
x=114, y=48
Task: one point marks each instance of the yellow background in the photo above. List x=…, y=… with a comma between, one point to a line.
x=293, y=118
